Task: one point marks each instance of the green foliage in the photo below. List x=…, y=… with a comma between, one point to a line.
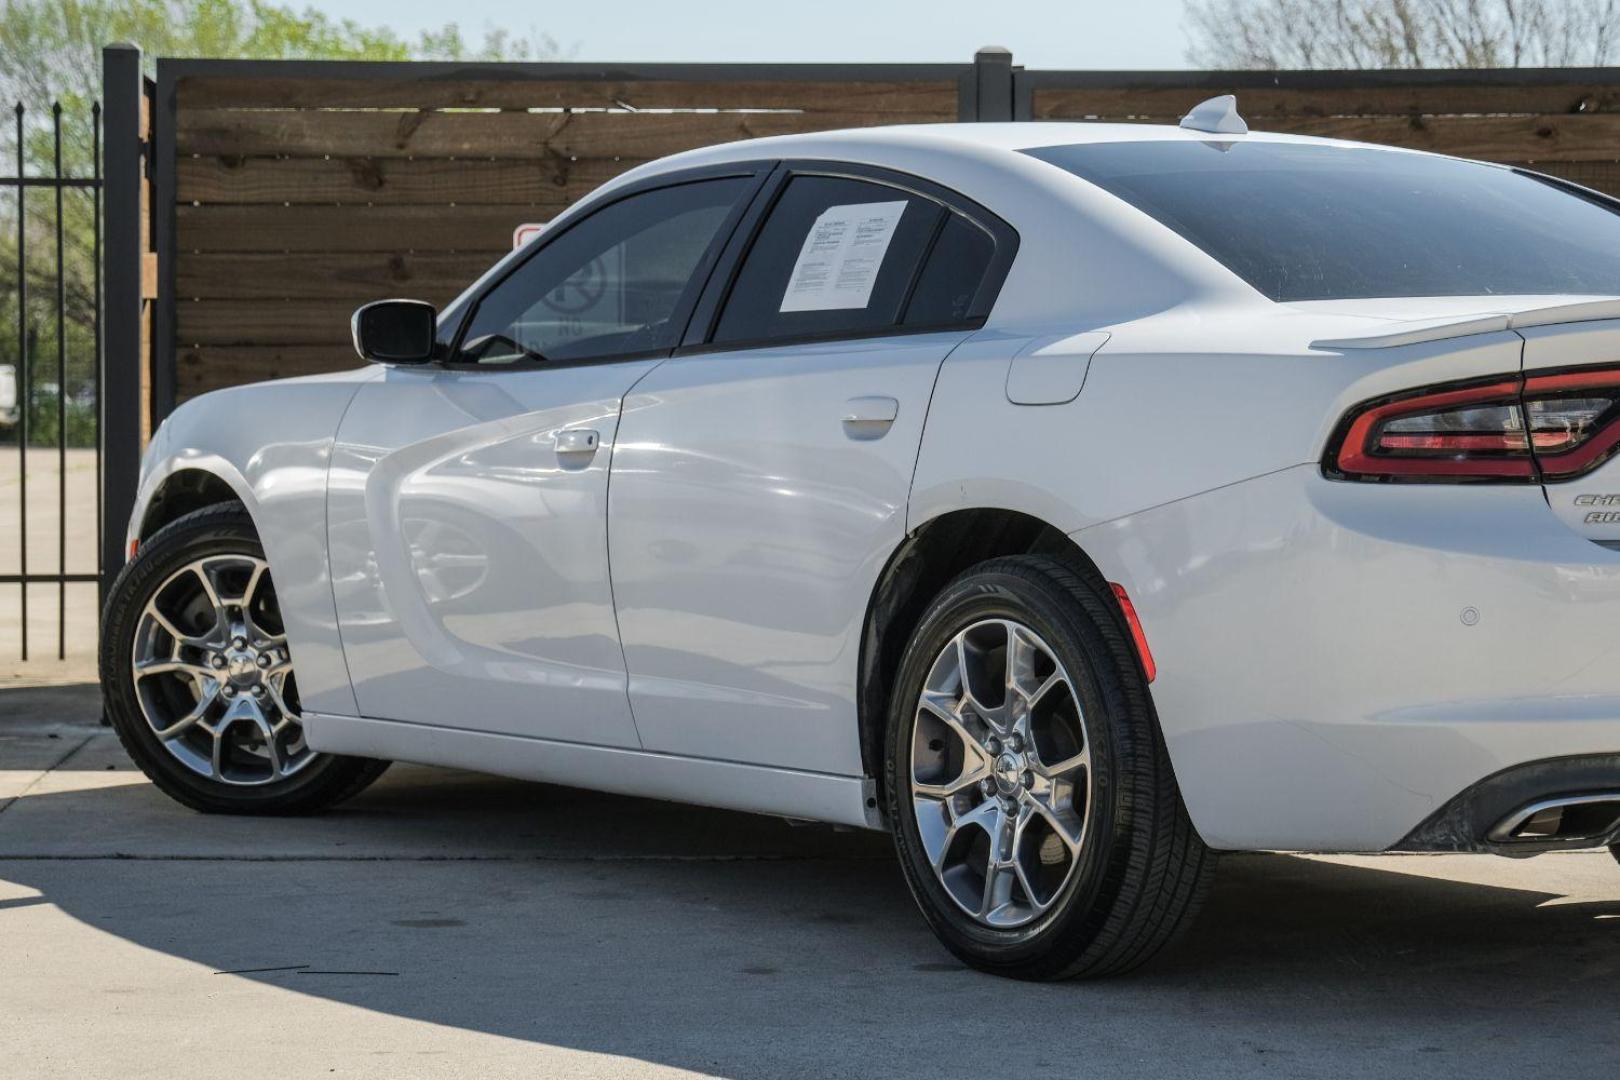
x=51, y=49
x=499, y=43
x=43, y=422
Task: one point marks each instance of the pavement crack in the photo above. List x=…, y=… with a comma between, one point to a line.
x=52, y=767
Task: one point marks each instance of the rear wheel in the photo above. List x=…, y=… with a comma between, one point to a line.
x=199, y=679
x=1033, y=805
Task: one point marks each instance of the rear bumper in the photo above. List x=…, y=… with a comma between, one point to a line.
x=1339, y=663
x=1557, y=805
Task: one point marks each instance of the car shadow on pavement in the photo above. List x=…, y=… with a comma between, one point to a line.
x=740, y=946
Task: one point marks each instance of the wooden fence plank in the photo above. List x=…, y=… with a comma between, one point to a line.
x=918, y=99
x=382, y=181
x=518, y=135
x=212, y=367
x=1263, y=106
x=350, y=228
x=1490, y=138
x=434, y=276
x=262, y=322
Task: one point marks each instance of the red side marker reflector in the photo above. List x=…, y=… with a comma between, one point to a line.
x=1140, y=639
x=133, y=546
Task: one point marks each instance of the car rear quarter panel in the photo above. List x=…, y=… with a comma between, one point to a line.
x=1317, y=686
x=1165, y=412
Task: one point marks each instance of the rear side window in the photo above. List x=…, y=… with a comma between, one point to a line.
x=952, y=275
x=1309, y=222
x=835, y=256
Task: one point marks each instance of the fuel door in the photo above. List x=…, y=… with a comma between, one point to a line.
x=1052, y=370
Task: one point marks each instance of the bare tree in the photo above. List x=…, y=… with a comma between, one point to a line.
x=1270, y=34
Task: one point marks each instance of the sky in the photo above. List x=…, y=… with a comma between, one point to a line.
x=1098, y=34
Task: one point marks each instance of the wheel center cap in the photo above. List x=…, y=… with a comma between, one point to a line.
x=1009, y=773
x=242, y=668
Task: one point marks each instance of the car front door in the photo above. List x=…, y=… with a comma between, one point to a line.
x=761, y=475
x=468, y=498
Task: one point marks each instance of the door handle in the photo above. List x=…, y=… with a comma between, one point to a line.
x=577, y=446
x=869, y=417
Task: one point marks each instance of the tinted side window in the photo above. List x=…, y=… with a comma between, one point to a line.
x=952, y=275
x=611, y=285
x=835, y=256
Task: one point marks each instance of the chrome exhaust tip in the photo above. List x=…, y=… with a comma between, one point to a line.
x=1567, y=821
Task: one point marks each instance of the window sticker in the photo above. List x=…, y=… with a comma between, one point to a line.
x=840, y=259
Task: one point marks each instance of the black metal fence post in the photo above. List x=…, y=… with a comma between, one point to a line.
x=993, y=82
x=25, y=381
x=122, y=90
x=101, y=399
x=61, y=391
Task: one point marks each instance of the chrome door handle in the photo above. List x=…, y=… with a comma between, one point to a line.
x=869, y=417
x=576, y=446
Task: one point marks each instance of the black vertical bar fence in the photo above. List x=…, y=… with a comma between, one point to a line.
x=61, y=391
x=123, y=89
x=23, y=376
x=77, y=328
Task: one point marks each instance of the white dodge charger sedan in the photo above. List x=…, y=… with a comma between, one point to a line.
x=1071, y=500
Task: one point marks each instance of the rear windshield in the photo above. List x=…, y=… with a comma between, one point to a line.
x=1302, y=222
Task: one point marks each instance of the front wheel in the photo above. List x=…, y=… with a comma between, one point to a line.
x=198, y=676
x=1033, y=806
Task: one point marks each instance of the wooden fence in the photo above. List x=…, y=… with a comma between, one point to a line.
x=1560, y=121
x=289, y=192
x=300, y=191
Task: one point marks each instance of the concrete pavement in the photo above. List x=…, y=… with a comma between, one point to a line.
x=449, y=925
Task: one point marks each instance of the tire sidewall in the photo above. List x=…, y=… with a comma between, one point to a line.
x=213, y=531
x=1087, y=897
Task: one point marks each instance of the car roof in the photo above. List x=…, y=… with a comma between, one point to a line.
x=948, y=152
x=978, y=138
x=1024, y=135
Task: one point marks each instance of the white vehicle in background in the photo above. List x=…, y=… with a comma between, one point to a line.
x=1069, y=500
x=8, y=395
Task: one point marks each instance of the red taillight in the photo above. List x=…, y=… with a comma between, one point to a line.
x=1574, y=421
x=1138, y=638
x=1515, y=430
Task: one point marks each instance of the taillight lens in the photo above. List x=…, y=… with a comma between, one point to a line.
x=1574, y=420
x=1511, y=430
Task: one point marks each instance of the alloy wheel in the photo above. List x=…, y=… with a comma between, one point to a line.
x=213, y=674
x=1000, y=773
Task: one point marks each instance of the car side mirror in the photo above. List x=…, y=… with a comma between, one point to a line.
x=394, y=331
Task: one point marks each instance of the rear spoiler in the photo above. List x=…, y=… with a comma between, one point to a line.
x=1420, y=330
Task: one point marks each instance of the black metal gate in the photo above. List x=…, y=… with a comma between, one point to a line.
x=56, y=355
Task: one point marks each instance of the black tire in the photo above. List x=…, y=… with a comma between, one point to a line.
x=223, y=529
x=1615, y=851
x=1141, y=872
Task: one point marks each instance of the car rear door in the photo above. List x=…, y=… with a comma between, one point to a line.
x=467, y=505
x=761, y=475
